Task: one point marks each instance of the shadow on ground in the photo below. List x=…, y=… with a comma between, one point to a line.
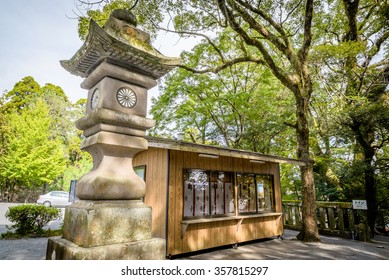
x=331, y=248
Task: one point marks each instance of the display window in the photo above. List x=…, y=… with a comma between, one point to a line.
x=255, y=193
x=208, y=193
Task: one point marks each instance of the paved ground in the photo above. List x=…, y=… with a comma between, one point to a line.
x=331, y=248
x=23, y=249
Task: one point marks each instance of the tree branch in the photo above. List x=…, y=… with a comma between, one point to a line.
x=194, y=34
x=307, y=31
x=263, y=15
x=380, y=40
x=223, y=66
x=278, y=72
x=365, y=20
x=292, y=125
x=254, y=24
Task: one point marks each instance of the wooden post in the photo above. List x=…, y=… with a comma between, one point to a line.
x=350, y=213
x=322, y=218
x=290, y=216
x=340, y=219
x=297, y=214
x=285, y=212
x=331, y=218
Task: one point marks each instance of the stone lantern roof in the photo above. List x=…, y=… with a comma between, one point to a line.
x=120, y=43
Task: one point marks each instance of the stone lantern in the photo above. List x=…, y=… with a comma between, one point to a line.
x=110, y=221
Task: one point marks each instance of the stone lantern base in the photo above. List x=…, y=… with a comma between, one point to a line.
x=107, y=230
x=62, y=249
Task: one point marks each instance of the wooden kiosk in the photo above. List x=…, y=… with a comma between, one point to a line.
x=205, y=196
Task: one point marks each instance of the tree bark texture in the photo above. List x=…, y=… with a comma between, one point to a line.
x=310, y=232
x=370, y=194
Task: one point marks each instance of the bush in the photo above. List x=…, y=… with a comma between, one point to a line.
x=31, y=218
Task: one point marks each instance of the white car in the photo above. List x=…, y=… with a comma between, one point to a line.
x=54, y=198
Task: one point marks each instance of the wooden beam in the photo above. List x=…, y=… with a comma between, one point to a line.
x=217, y=151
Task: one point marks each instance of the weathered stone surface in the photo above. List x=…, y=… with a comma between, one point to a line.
x=61, y=249
x=108, y=88
x=113, y=128
x=119, y=73
x=112, y=176
x=97, y=223
x=120, y=46
x=133, y=124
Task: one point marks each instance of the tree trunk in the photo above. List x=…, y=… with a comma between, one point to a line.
x=365, y=139
x=27, y=199
x=309, y=232
x=370, y=190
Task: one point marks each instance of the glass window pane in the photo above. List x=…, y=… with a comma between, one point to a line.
x=196, y=193
x=246, y=193
x=229, y=193
x=188, y=196
x=140, y=171
x=208, y=193
x=265, y=192
x=221, y=193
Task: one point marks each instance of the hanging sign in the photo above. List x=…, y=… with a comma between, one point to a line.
x=360, y=204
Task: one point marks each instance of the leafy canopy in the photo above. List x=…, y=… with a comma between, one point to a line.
x=32, y=157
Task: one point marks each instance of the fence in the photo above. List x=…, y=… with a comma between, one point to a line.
x=334, y=218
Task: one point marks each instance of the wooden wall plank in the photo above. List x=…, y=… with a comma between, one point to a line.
x=172, y=205
x=156, y=172
x=179, y=201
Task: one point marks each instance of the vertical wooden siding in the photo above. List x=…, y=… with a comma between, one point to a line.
x=156, y=182
x=207, y=235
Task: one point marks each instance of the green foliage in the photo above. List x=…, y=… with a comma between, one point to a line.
x=148, y=13
x=99, y=16
x=21, y=94
x=50, y=90
x=40, y=145
x=30, y=219
x=290, y=182
x=234, y=107
x=340, y=52
x=73, y=171
x=32, y=157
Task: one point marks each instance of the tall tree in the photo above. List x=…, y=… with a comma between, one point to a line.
x=271, y=29
x=32, y=158
x=353, y=57
x=21, y=94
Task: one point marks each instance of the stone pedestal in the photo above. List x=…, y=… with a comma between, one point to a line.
x=62, y=249
x=107, y=222
x=110, y=221
x=107, y=230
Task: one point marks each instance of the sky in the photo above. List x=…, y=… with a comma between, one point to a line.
x=36, y=35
